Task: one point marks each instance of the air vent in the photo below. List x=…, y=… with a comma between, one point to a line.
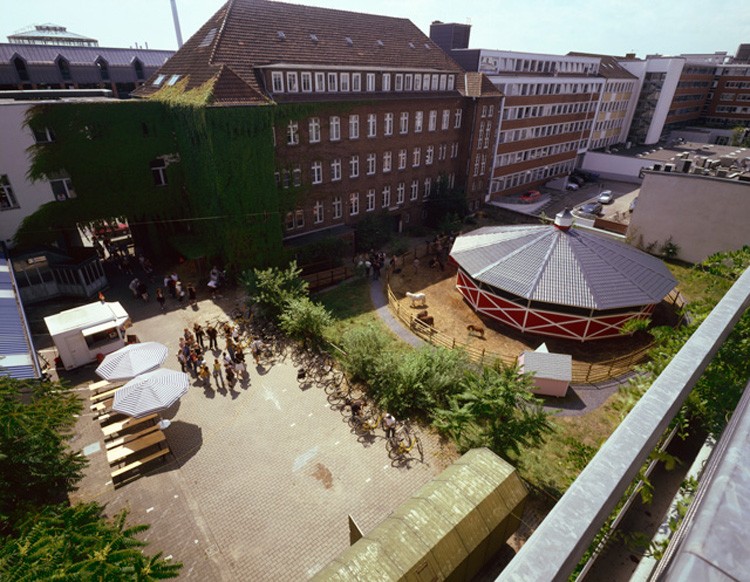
x=411, y=45
x=380, y=43
x=280, y=34
x=349, y=41
x=427, y=46
x=314, y=38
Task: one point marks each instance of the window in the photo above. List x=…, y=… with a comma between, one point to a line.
x=433, y=121
x=317, y=173
x=23, y=73
x=372, y=125
x=332, y=82
x=476, y=166
x=370, y=81
x=417, y=82
x=407, y=82
x=427, y=187
x=353, y=126
x=344, y=82
x=336, y=170
x=286, y=179
x=158, y=81
x=320, y=82
x=297, y=176
x=451, y=180
x=404, y=123
x=334, y=128
x=370, y=200
x=418, y=121
x=291, y=82
x=435, y=82
x=7, y=198
x=387, y=161
x=173, y=79
x=299, y=218
x=44, y=135
x=356, y=82
x=399, y=83
x=292, y=133
x=416, y=157
x=483, y=165
x=400, y=193
x=484, y=111
x=429, y=155
x=354, y=166
x=401, y=159
x=454, y=150
x=442, y=151
x=277, y=82
x=491, y=111
x=457, y=119
x=314, y=129
x=386, y=197
x=337, y=207
x=443, y=82
x=64, y=68
x=451, y=82
x=426, y=82
x=414, y=190
x=62, y=189
x=371, y=164
x=289, y=220
x=388, y=124
x=386, y=82
x=103, y=69
x=306, y=81
x=318, y=213
x=446, y=119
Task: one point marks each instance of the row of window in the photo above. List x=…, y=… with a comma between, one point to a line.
x=371, y=162
x=682, y=98
x=371, y=125
x=335, y=82
x=537, y=131
x=694, y=84
x=526, y=65
x=606, y=141
x=533, y=175
x=734, y=71
x=615, y=105
x=484, y=134
x=733, y=96
x=63, y=66
x=385, y=198
x=548, y=87
x=608, y=124
x=541, y=152
x=737, y=84
x=524, y=112
x=62, y=189
x=730, y=109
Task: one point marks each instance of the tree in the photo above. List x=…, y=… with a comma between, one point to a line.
x=305, y=320
x=36, y=464
x=78, y=543
x=497, y=409
x=273, y=288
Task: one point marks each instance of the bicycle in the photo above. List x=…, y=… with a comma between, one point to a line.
x=366, y=425
x=400, y=446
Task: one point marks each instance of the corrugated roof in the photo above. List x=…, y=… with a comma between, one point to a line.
x=17, y=354
x=573, y=268
x=81, y=55
x=247, y=34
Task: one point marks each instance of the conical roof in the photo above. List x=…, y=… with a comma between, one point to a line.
x=574, y=268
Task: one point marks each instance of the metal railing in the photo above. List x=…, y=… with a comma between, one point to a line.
x=555, y=548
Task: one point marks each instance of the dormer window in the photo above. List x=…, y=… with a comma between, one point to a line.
x=64, y=68
x=103, y=68
x=21, y=69
x=138, y=66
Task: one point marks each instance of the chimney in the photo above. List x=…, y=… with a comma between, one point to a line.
x=564, y=220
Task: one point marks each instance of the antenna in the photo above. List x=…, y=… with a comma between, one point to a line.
x=176, y=23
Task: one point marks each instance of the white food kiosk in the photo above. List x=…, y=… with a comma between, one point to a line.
x=82, y=333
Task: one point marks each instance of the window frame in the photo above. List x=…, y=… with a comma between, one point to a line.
x=292, y=82
x=316, y=170
x=306, y=80
x=277, y=81
x=8, y=200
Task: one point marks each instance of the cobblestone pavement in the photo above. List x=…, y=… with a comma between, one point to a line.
x=263, y=476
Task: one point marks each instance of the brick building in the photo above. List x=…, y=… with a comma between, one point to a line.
x=373, y=116
x=728, y=104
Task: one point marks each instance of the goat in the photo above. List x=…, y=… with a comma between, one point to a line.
x=420, y=298
x=475, y=329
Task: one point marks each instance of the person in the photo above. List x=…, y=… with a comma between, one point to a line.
x=416, y=264
x=255, y=347
x=182, y=360
x=143, y=290
x=212, y=335
x=179, y=291
x=205, y=375
x=161, y=299
x=229, y=372
x=101, y=297
x=134, y=286
x=389, y=425
x=191, y=294
x=355, y=406
x=199, y=334
x=217, y=372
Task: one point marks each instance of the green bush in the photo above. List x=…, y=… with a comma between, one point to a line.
x=273, y=288
x=305, y=320
x=366, y=348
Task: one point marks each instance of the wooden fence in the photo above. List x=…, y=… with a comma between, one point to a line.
x=583, y=373
x=328, y=277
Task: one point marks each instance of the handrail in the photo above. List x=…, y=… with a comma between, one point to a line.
x=555, y=548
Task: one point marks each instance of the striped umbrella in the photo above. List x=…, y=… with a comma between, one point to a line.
x=132, y=360
x=151, y=392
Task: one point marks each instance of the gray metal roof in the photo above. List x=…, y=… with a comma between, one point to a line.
x=573, y=267
x=82, y=55
x=547, y=365
x=17, y=356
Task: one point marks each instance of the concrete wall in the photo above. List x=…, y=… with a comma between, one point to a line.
x=703, y=215
x=14, y=162
x=614, y=167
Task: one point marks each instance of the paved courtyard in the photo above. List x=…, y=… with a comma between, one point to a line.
x=263, y=476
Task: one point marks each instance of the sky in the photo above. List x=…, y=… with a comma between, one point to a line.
x=666, y=27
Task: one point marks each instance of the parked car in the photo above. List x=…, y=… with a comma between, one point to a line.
x=606, y=197
x=531, y=196
x=592, y=208
x=572, y=186
x=577, y=179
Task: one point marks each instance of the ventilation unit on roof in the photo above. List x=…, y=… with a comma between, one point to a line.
x=379, y=43
x=427, y=46
x=314, y=38
x=349, y=41
x=281, y=35
x=411, y=45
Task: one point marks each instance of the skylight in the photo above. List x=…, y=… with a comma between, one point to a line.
x=158, y=81
x=173, y=79
x=208, y=39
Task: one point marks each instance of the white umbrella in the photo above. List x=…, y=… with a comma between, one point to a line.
x=150, y=392
x=132, y=360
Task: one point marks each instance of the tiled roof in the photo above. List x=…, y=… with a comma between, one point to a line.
x=247, y=34
x=35, y=54
x=573, y=268
x=609, y=67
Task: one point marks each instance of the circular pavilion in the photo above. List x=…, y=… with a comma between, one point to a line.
x=557, y=281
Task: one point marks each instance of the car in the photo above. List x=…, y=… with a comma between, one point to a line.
x=605, y=197
x=531, y=196
x=577, y=179
x=592, y=208
x=572, y=186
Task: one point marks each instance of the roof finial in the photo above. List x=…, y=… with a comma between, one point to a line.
x=564, y=220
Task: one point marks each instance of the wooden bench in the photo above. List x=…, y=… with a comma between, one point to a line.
x=102, y=407
x=126, y=438
x=100, y=385
x=120, y=453
x=114, y=428
x=104, y=394
x=139, y=463
x=110, y=416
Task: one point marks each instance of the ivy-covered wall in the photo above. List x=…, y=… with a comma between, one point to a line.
x=220, y=194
